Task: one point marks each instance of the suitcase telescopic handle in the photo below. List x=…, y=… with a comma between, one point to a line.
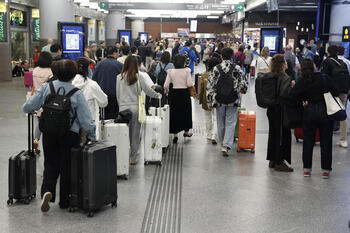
x=30, y=133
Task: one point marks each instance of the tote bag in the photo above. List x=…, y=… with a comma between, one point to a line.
x=335, y=109
x=142, y=109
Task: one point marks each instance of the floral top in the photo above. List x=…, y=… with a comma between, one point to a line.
x=239, y=83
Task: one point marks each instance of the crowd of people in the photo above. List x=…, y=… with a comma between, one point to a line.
x=113, y=78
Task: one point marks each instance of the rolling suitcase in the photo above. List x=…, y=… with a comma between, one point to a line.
x=246, y=131
x=28, y=79
x=152, y=140
x=299, y=135
x=252, y=71
x=119, y=135
x=22, y=171
x=93, y=177
x=164, y=113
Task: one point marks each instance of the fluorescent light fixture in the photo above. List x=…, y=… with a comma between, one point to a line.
x=213, y=17
x=169, y=13
x=157, y=1
x=81, y=1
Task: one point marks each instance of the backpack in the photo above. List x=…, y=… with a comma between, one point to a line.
x=162, y=75
x=238, y=60
x=55, y=118
x=266, y=90
x=225, y=92
x=317, y=61
x=187, y=58
x=341, y=76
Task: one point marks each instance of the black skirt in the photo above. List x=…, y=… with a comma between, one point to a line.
x=180, y=110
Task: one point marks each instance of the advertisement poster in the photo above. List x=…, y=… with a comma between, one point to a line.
x=272, y=38
x=126, y=34
x=193, y=27
x=73, y=41
x=143, y=37
x=183, y=32
x=270, y=41
x=92, y=30
x=36, y=24
x=3, y=27
x=101, y=31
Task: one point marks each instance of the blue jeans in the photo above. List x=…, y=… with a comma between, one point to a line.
x=226, y=117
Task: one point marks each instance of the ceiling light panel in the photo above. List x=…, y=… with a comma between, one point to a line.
x=157, y=1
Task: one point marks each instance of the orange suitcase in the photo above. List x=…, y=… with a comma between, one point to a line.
x=246, y=131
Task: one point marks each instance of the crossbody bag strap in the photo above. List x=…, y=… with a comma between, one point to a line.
x=52, y=88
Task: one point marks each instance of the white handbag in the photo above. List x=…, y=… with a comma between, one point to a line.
x=335, y=109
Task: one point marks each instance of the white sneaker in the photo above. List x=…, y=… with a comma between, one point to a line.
x=343, y=144
x=224, y=151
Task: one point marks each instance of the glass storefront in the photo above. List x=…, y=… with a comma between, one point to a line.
x=19, y=45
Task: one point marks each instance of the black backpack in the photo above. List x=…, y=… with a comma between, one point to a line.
x=239, y=61
x=162, y=75
x=266, y=90
x=341, y=76
x=55, y=118
x=225, y=92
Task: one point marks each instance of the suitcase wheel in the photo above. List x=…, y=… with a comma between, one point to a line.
x=71, y=210
x=160, y=163
x=126, y=177
x=26, y=201
x=114, y=204
x=238, y=150
x=10, y=201
x=146, y=163
x=90, y=214
x=296, y=139
x=253, y=151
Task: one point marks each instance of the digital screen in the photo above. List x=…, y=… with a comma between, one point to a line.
x=3, y=27
x=18, y=18
x=193, y=26
x=270, y=38
x=143, y=37
x=126, y=34
x=73, y=41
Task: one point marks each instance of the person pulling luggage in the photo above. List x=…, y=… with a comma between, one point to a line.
x=65, y=111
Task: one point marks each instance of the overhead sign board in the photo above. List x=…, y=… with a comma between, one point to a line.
x=239, y=7
x=104, y=5
x=171, y=6
x=346, y=34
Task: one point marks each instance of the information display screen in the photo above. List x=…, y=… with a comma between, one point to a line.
x=272, y=38
x=143, y=37
x=126, y=34
x=72, y=41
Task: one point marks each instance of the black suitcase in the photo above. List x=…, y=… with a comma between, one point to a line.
x=93, y=177
x=22, y=171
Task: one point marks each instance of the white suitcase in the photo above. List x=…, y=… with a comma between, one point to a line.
x=119, y=135
x=164, y=113
x=152, y=142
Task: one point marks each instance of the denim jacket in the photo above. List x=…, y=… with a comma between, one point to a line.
x=79, y=106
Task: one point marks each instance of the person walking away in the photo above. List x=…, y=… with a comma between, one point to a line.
x=240, y=57
x=206, y=54
x=175, y=50
x=60, y=131
x=198, y=48
x=105, y=75
x=162, y=71
x=93, y=49
x=210, y=113
x=179, y=98
x=249, y=56
x=142, y=52
x=129, y=87
x=190, y=56
x=310, y=53
x=47, y=48
x=36, y=56
x=149, y=55
x=41, y=74
x=101, y=52
x=217, y=52
x=280, y=139
x=93, y=93
x=309, y=90
x=337, y=69
x=159, y=52
x=225, y=83
x=341, y=52
x=56, y=52
x=263, y=62
x=292, y=61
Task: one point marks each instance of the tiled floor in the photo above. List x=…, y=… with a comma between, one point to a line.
x=222, y=195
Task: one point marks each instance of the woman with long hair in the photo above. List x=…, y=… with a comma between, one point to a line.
x=279, y=141
x=129, y=87
x=263, y=62
x=179, y=98
x=309, y=90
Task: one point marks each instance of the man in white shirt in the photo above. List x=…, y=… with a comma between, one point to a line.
x=125, y=53
x=198, y=49
x=341, y=51
x=47, y=48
